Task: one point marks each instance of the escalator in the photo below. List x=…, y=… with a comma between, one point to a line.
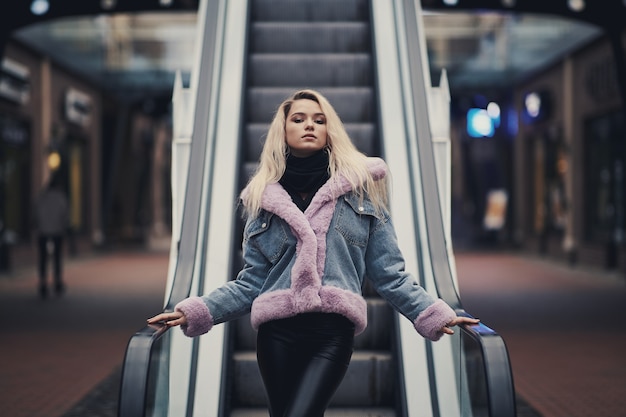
x=373, y=74
x=287, y=42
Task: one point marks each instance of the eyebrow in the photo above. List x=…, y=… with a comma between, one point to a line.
x=304, y=114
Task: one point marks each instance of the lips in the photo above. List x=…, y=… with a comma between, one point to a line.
x=309, y=137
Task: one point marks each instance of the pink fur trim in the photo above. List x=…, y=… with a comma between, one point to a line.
x=348, y=304
x=305, y=272
x=272, y=306
x=287, y=303
x=430, y=321
x=199, y=319
x=310, y=229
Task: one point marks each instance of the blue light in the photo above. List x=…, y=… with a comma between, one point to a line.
x=479, y=123
x=513, y=123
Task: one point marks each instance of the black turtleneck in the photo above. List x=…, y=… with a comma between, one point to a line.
x=304, y=176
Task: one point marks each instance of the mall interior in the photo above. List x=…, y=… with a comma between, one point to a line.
x=536, y=117
x=94, y=87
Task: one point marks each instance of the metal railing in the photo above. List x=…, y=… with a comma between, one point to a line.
x=135, y=375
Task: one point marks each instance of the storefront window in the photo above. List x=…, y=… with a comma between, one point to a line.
x=14, y=179
x=604, y=186
x=549, y=164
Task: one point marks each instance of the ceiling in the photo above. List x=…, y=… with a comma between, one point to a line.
x=142, y=51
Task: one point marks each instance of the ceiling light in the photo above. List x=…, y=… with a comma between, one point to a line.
x=107, y=4
x=576, y=5
x=39, y=7
x=493, y=110
x=508, y=3
x=54, y=160
x=165, y=3
x=450, y=2
x=532, y=102
x=537, y=106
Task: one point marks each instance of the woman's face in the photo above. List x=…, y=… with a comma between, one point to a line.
x=305, y=128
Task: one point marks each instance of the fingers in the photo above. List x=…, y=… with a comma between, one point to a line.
x=463, y=320
x=175, y=318
x=447, y=329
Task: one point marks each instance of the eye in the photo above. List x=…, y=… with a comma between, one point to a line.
x=297, y=120
x=320, y=121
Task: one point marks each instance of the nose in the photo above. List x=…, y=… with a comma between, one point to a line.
x=309, y=125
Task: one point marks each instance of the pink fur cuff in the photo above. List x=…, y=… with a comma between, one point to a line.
x=430, y=321
x=199, y=320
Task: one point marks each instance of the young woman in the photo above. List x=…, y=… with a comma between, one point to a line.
x=317, y=224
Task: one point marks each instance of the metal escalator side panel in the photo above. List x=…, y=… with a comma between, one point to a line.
x=494, y=353
x=434, y=373
x=134, y=387
x=394, y=127
x=444, y=357
x=216, y=268
x=189, y=275
x=202, y=96
x=182, y=121
x=424, y=156
x=431, y=370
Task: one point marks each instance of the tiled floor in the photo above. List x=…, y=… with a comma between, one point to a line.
x=565, y=329
x=53, y=352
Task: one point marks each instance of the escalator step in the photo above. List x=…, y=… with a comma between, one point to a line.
x=312, y=70
x=369, y=381
x=331, y=412
x=320, y=37
x=353, y=104
x=324, y=10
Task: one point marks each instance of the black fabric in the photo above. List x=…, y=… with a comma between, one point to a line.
x=302, y=360
x=57, y=257
x=304, y=176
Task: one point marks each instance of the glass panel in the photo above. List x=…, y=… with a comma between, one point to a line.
x=604, y=187
x=14, y=179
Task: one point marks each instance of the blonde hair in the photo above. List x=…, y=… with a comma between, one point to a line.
x=344, y=158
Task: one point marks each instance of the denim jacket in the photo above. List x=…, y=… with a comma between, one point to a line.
x=317, y=261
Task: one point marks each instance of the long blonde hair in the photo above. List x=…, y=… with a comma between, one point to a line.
x=344, y=158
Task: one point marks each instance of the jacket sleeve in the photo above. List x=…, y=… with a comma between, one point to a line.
x=386, y=269
x=229, y=301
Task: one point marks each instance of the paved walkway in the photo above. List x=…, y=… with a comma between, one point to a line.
x=54, y=352
x=565, y=330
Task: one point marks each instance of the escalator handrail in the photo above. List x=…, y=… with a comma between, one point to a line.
x=441, y=267
x=135, y=371
x=497, y=368
x=501, y=393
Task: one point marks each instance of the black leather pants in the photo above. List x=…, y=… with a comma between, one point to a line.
x=303, y=360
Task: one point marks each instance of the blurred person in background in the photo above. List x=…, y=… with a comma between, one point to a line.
x=51, y=219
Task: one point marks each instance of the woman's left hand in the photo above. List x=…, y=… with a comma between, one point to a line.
x=447, y=329
x=174, y=318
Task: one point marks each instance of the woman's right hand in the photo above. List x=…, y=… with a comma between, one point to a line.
x=174, y=318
